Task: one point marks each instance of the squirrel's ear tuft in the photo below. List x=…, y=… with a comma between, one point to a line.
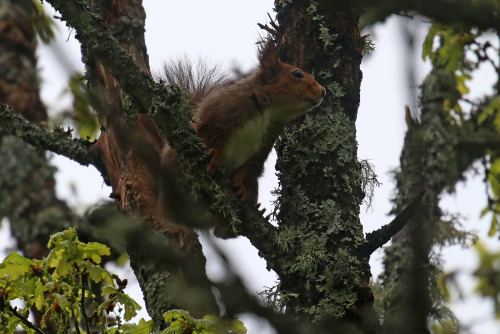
x=269, y=64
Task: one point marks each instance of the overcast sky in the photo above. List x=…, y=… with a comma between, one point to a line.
x=225, y=31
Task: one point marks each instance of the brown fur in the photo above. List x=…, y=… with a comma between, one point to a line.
x=229, y=107
x=224, y=119
x=197, y=79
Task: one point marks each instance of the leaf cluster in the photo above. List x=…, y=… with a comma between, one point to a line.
x=446, y=47
x=461, y=51
x=60, y=286
x=180, y=321
x=488, y=275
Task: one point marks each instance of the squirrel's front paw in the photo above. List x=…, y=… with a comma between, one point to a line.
x=215, y=159
x=241, y=192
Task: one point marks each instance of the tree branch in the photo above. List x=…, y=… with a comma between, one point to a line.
x=381, y=236
x=57, y=140
x=480, y=140
x=99, y=42
x=25, y=320
x=167, y=107
x=233, y=293
x=261, y=234
x=480, y=14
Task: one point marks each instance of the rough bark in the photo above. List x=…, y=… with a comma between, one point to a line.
x=480, y=14
x=429, y=162
x=27, y=185
x=318, y=250
x=27, y=182
x=130, y=147
x=320, y=177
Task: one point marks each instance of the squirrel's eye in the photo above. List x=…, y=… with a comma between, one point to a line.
x=297, y=74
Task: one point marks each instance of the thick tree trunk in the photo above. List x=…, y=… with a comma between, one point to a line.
x=320, y=175
x=130, y=148
x=428, y=162
x=27, y=185
x=27, y=194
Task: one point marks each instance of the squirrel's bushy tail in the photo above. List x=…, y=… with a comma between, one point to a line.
x=198, y=78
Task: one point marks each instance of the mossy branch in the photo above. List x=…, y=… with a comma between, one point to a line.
x=100, y=43
x=57, y=140
x=191, y=151
x=262, y=234
x=481, y=14
x=167, y=106
x=381, y=236
x=480, y=141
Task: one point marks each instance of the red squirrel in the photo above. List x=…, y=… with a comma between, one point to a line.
x=240, y=121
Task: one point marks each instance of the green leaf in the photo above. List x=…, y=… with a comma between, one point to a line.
x=69, y=234
x=43, y=24
x=427, y=47
x=67, y=251
x=63, y=301
x=144, y=327
x=14, y=265
x=33, y=282
x=490, y=109
x=58, y=259
x=94, y=251
x=104, y=305
x=484, y=212
x=38, y=297
x=109, y=289
x=98, y=274
x=461, y=86
x=20, y=289
x=172, y=315
x=494, y=225
x=237, y=326
x=87, y=124
x=452, y=52
x=443, y=288
x=130, y=305
x=488, y=274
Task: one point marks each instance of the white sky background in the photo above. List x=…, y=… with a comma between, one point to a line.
x=225, y=31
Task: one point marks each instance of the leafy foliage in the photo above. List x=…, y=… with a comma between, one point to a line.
x=60, y=286
x=83, y=114
x=488, y=274
x=180, y=321
x=450, y=55
x=44, y=25
x=493, y=207
x=461, y=51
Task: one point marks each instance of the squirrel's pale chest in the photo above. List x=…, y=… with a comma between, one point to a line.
x=246, y=141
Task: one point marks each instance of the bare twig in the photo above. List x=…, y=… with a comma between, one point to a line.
x=25, y=320
x=265, y=27
x=273, y=30
x=272, y=22
x=82, y=304
x=75, y=320
x=381, y=236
